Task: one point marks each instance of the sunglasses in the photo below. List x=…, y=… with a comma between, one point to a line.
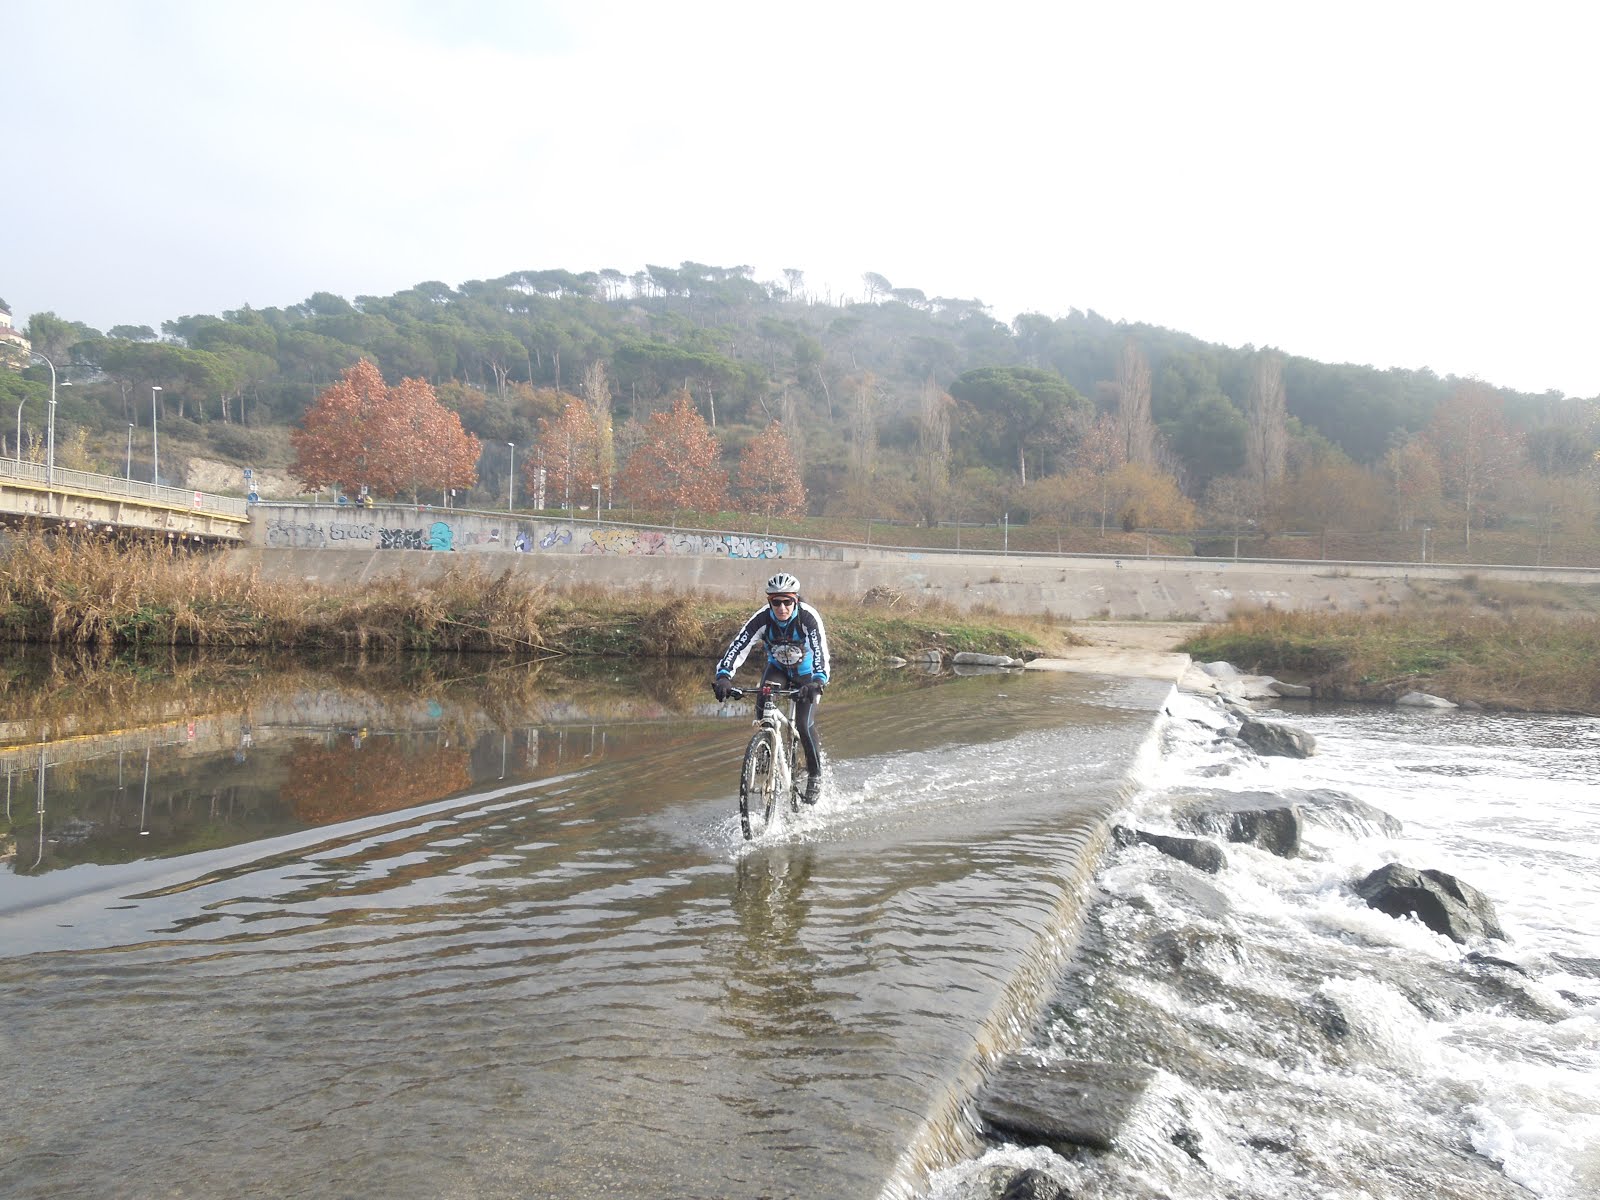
x=781, y=601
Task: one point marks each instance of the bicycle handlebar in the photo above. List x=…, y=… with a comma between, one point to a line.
x=787, y=693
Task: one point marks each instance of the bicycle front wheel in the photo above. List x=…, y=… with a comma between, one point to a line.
x=757, y=783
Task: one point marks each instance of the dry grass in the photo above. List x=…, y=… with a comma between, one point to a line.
x=101, y=598
x=1515, y=658
x=91, y=594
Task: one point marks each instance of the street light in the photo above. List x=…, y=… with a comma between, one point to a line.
x=155, y=445
x=50, y=425
x=129, y=472
x=595, y=487
x=20, y=403
x=511, y=476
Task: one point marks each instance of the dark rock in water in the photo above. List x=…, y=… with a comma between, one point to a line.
x=1271, y=1144
x=1276, y=821
x=1479, y=959
x=1062, y=1104
x=1188, y=1141
x=1252, y=818
x=1440, y=901
x=1328, y=1017
x=1194, y=947
x=1276, y=738
x=1033, y=1184
x=1205, y=856
x=1341, y=811
x=1577, y=966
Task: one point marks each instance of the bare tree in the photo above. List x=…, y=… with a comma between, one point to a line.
x=597, y=396
x=1233, y=502
x=933, y=449
x=1267, y=440
x=864, y=427
x=1133, y=405
x=1476, y=452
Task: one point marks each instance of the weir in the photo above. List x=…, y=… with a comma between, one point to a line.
x=576, y=978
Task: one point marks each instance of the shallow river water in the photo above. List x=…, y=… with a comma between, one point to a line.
x=330, y=939
x=329, y=933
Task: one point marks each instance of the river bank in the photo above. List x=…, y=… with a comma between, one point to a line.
x=1533, y=650
x=1521, y=659
x=104, y=598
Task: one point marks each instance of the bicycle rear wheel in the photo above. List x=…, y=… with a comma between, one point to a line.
x=757, y=783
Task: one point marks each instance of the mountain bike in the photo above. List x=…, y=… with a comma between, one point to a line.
x=768, y=771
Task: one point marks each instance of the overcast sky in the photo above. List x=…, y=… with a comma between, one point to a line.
x=1401, y=184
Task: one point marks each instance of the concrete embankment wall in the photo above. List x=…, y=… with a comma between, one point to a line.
x=346, y=546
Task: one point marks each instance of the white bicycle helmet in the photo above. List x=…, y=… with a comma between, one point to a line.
x=783, y=583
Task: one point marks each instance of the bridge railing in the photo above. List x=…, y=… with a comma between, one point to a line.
x=65, y=479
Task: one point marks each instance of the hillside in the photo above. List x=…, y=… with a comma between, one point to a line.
x=905, y=407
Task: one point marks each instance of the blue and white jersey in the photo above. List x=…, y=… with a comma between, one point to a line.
x=798, y=646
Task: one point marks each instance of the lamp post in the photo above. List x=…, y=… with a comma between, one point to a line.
x=511, y=476
x=1005, y=543
x=1426, y=530
x=20, y=403
x=595, y=487
x=49, y=425
x=128, y=473
x=155, y=446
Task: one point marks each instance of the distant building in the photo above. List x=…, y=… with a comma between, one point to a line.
x=14, y=348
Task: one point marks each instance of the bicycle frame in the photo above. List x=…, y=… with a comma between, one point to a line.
x=769, y=760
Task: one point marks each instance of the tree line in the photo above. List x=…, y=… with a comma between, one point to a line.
x=891, y=404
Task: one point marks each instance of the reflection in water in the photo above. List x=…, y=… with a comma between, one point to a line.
x=307, y=751
x=773, y=984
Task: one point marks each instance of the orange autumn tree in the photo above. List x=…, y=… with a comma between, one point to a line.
x=678, y=463
x=769, y=475
x=569, y=451
x=392, y=439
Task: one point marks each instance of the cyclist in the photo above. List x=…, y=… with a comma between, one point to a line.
x=797, y=654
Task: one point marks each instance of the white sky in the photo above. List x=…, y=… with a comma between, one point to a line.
x=1401, y=184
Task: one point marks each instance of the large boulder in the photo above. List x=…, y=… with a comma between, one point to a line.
x=1276, y=821
x=1030, y=1183
x=1203, y=855
x=1424, y=700
x=1276, y=738
x=970, y=658
x=1440, y=901
x=1262, y=819
x=1062, y=1104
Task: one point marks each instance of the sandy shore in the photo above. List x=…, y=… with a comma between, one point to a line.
x=1142, y=649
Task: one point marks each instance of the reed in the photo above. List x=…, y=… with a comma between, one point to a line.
x=102, y=598
x=1516, y=658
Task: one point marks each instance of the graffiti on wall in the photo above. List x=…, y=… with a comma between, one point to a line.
x=401, y=539
x=653, y=541
x=314, y=535
x=289, y=533
x=438, y=536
